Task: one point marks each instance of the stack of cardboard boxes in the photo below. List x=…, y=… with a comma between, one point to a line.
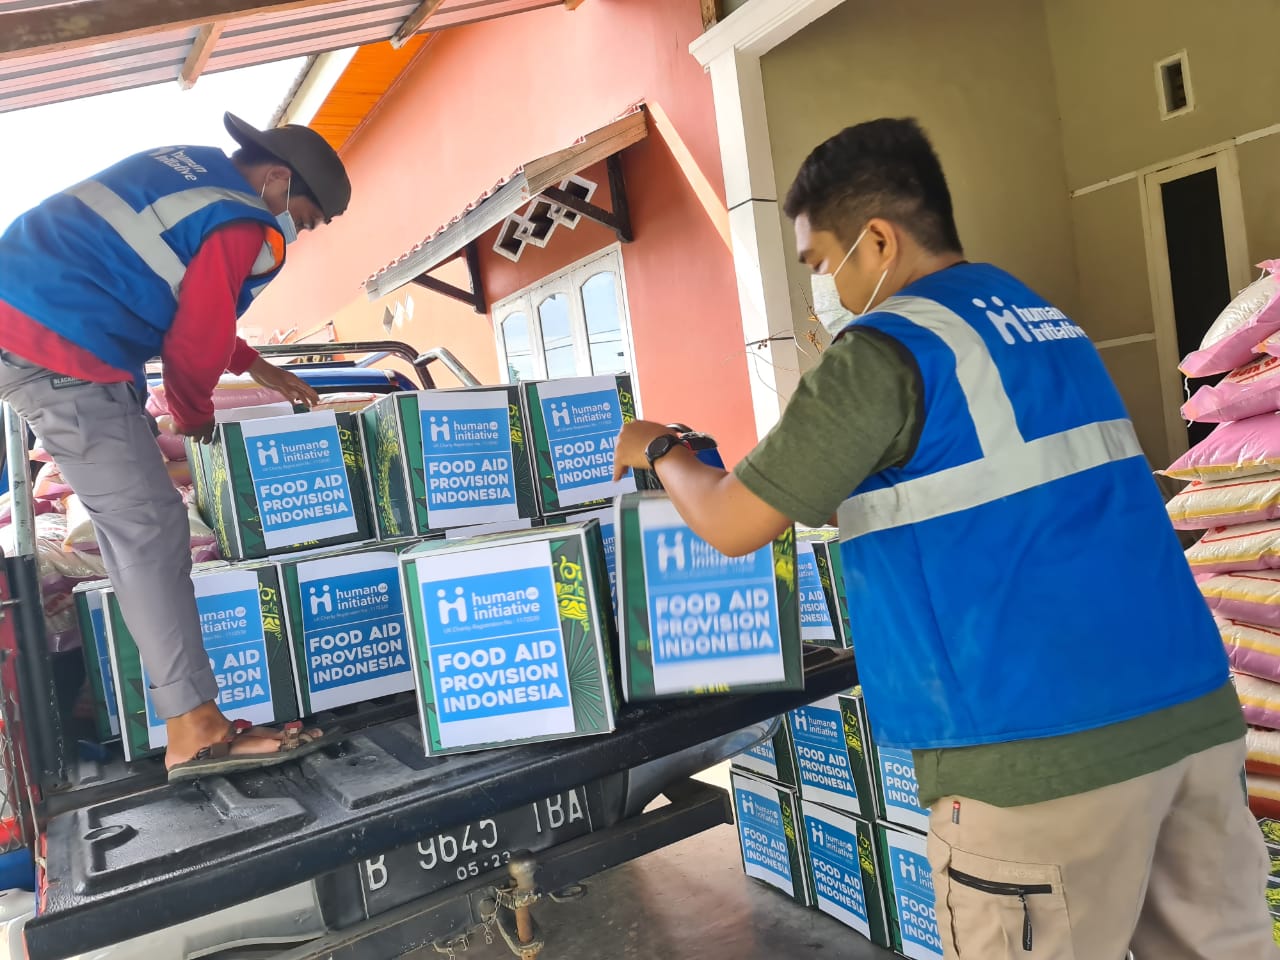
x=460, y=544
x=824, y=813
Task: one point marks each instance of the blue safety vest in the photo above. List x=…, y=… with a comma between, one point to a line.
x=1018, y=577
x=101, y=263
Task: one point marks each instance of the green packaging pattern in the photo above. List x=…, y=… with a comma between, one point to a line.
x=771, y=835
x=275, y=484
x=243, y=627
x=573, y=424
x=511, y=636
x=825, y=543
x=844, y=870
x=91, y=617
x=693, y=621
x=443, y=459
x=347, y=629
x=833, y=763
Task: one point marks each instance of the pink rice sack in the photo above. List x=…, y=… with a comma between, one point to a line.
x=1260, y=700
x=1249, y=319
x=1252, y=597
x=1249, y=546
x=1252, y=648
x=231, y=392
x=1204, y=504
x=1247, y=391
x=1239, y=449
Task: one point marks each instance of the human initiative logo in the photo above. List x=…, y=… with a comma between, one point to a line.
x=449, y=608
x=1031, y=324
x=667, y=553
x=322, y=599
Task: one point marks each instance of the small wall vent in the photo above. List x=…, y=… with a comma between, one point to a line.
x=1173, y=85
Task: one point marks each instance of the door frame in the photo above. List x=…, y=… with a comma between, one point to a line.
x=1224, y=160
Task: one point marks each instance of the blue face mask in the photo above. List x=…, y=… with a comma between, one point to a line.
x=288, y=228
x=284, y=220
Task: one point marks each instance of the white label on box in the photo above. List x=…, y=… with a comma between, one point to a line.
x=815, y=617
x=354, y=637
x=901, y=790
x=837, y=866
x=231, y=623
x=713, y=619
x=496, y=652
x=299, y=478
x=583, y=417
x=482, y=529
x=913, y=895
x=822, y=756
x=467, y=461
x=608, y=533
x=98, y=617
x=765, y=853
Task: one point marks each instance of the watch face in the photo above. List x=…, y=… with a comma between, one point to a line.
x=659, y=447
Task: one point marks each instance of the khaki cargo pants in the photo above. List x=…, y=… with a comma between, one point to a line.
x=1171, y=864
x=101, y=439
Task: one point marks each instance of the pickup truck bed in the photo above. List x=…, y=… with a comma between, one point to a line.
x=124, y=866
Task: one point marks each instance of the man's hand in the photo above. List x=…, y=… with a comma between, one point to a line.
x=283, y=382
x=200, y=433
x=632, y=441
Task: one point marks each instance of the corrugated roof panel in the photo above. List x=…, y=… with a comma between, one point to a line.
x=103, y=66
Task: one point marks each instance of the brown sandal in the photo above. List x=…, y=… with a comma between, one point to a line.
x=217, y=758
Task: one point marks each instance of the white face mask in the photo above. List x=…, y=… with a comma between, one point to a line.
x=831, y=313
x=288, y=227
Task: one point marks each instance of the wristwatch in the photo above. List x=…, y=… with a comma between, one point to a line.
x=659, y=447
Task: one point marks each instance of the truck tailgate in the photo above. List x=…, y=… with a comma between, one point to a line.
x=127, y=866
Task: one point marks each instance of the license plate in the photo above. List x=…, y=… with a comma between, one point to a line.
x=458, y=855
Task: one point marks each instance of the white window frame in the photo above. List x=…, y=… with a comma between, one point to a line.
x=567, y=281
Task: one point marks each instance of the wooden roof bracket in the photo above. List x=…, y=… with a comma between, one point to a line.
x=619, y=219
x=474, y=298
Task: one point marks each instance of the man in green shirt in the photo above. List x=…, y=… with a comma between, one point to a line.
x=1075, y=840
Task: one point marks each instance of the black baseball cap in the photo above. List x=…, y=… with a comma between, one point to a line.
x=306, y=153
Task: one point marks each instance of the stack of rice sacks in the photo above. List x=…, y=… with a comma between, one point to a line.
x=1234, y=497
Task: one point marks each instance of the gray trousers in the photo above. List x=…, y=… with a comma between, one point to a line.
x=101, y=439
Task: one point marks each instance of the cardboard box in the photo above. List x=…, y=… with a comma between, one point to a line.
x=908, y=893
x=97, y=658
x=274, y=484
x=608, y=533
x=844, y=870
x=898, y=789
x=448, y=458
x=511, y=638
x=832, y=764
x=774, y=758
x=347, y=629
x=824, y=546
x=243, y=626
x=484, y=529
x=694, y=621
x=771, y=836
x=574, y=424
x=1271, y=834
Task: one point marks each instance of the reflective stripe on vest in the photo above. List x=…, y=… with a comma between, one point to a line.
x=143, y=230
x=1009, y=464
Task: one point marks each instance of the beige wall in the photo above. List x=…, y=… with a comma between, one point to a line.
x=1104, y=55
x=993, y=119
x=1260, y=190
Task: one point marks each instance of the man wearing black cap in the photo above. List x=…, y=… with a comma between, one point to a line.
x=158, y=255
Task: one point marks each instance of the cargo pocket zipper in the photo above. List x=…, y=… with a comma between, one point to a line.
x=1021, y=891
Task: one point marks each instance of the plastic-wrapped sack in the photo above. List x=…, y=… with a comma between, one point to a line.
x=1252, y=648
x=1205, y=504
x=1248, y=391
x=49, y=484
x=1264, y=795
x=81, y=535
x=1260, y=700
x=1249, y=546
x=1247, y=320
x=1262, y=751
x=231, y=391
x=59, y=571
x=172, y=444
x=345, y=402
x=1244, y=448
x=1252, y=597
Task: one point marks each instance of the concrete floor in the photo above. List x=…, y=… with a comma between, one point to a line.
x=690, y=901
